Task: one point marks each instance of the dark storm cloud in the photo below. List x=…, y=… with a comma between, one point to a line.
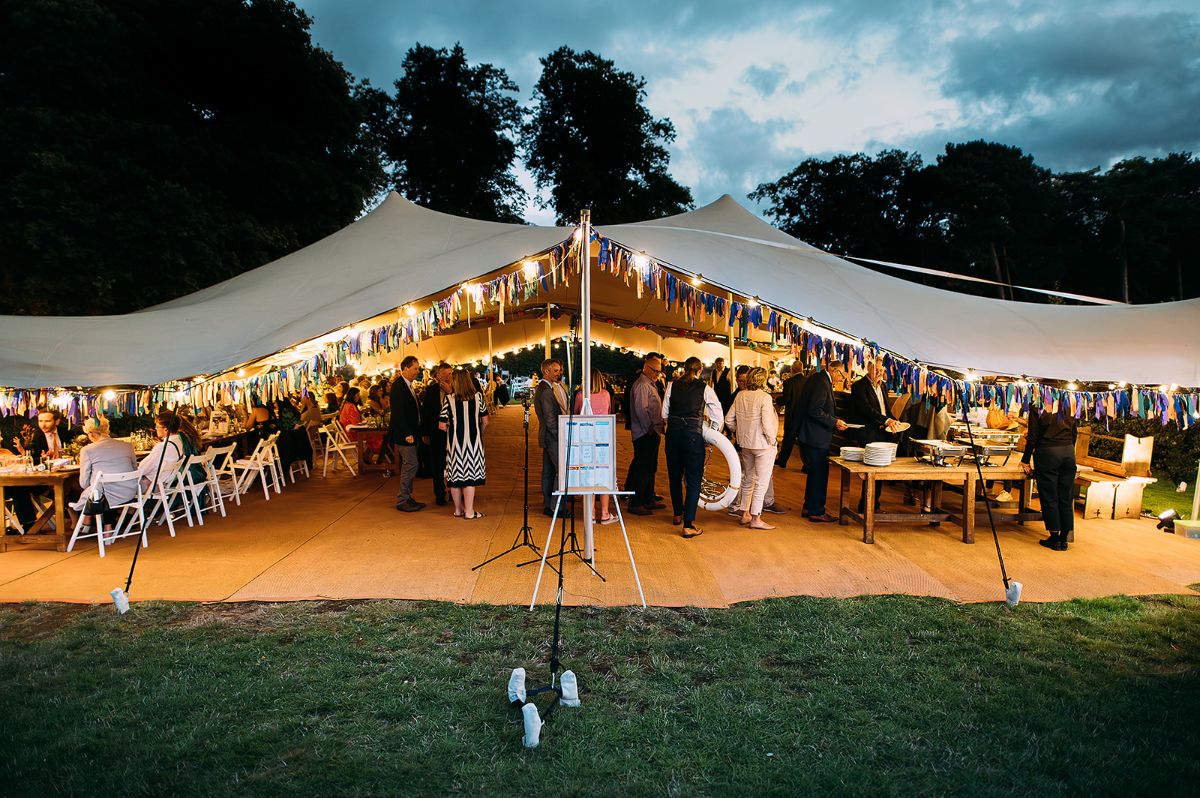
x=1080, y=92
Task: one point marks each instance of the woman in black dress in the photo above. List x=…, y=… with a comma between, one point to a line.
x=1050, y=444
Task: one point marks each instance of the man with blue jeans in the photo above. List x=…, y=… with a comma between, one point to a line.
x=818, y=420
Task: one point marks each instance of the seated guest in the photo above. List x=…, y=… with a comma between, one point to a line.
x=177, y=439
x=261, y=417
x=375, y=400
x=286, y=415
x=350, y=414
x=331, y=403
x=103, y=455
x=46, y=444
x=310, y=413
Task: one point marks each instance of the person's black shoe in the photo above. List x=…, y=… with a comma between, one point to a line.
x=657, y=498
x=658, y=505
x=1055, y=542
x=409, y=506
x=440, y=501
x=638, y=509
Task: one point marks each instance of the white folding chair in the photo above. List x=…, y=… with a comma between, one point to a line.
x=337, y=442
x=171, y=496
x=224, y=478
x=271, y=450
x=195, y=486
x=130, y=522
x=258, y=465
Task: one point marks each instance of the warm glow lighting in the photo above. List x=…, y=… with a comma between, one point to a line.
x=409, y=310
x=697, y=279
x=578, y=236
x=530, y=269
x=428, y=364
x=110, y=395
x=1173, y=388
x=641, y=261
x=971, y=376
x=1072, y=386
x=241, y=372
x=753, y=302
x=1120, y=384
x=1112, y=385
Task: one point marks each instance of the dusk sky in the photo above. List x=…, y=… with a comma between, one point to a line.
x=753, y=88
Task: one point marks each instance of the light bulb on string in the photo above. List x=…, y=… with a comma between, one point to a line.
x=641, y=262
x=1071, y=386
x=697, y=279
x=409, y=310
x=110, y=395
x=753, y=302
x=529, y=268
x=241, y=372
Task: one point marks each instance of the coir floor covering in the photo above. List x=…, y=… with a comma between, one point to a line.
x=341, y=537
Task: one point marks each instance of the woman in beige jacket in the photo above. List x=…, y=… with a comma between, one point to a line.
x=756, y=425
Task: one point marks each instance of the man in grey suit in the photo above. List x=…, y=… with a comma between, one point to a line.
x=549, y=402
x=818, y=420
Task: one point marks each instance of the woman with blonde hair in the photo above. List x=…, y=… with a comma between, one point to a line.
x=600, y=402
x=103, y=455
x=464, y=418
x=753, y=419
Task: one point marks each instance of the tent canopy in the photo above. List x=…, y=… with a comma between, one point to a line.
x=401, y=253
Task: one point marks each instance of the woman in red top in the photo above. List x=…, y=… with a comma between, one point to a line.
x=351, y=414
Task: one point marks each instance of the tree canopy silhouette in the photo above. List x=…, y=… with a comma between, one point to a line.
x=592, y=142
x=149, y=149
x=449, y=135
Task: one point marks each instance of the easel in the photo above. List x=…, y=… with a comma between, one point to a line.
x=589, y=498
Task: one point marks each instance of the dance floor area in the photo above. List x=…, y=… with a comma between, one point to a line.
x=342, y=538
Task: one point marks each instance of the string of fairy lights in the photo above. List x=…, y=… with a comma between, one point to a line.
x=512, y=291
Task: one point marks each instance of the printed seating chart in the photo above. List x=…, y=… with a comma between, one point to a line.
x=587, y=454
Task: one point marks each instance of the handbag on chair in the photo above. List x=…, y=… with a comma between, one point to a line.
x=96, y=503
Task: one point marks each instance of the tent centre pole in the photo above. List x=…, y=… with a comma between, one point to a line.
x=585, y=359
x=732, y=350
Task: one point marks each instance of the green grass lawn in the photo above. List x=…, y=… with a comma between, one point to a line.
x=868, y=696
x=1160, y=496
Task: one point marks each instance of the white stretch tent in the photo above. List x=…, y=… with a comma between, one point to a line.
x=401, y=253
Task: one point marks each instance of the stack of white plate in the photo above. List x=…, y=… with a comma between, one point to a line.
x=879, y=454
x=853, y=453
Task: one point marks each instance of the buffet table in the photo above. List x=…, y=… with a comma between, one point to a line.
x=906, y=469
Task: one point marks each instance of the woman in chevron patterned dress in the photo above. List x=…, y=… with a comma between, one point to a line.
x=464, y=418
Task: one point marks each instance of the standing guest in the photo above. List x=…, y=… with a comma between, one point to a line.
x=687, y=402
x=755, y=423
x=503, y=393
x=549, y=402
x=869, y=407
x=600, y=401
x=433, y=435
x=719, y=380
x=1050, y=445
x=818, y=420
x=404, y=432
x=739, y=381
x=464, y=417
x=646, y=426
x=790, y=402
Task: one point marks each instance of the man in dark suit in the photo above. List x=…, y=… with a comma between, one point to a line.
x=818, y=420
x=719, y=379
x=550, y=402
x=869, y=407
x=433, y=439
x=47, y=443
x=790, y=402
x=405, y=431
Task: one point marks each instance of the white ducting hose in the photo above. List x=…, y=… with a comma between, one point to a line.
x=714, y=495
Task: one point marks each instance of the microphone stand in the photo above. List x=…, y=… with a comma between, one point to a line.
x=524, y=538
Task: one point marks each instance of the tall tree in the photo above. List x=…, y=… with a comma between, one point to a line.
x=996, y=207
x=149, y=149
x=449, y=134
x=594, y=144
